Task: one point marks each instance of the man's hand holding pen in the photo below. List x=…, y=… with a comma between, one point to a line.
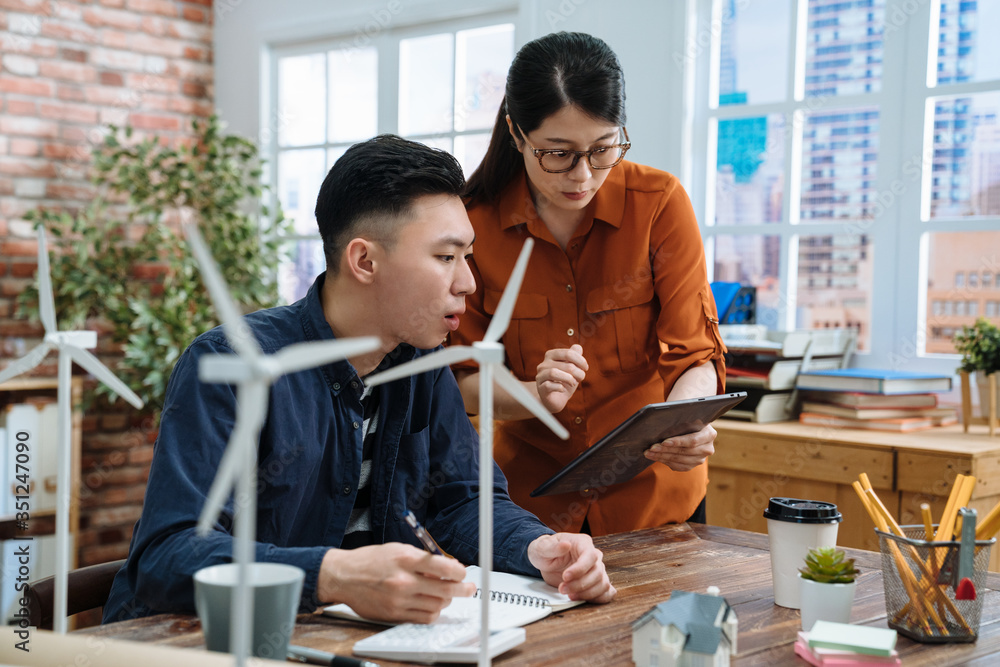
x=392, y=582
x=400, y=583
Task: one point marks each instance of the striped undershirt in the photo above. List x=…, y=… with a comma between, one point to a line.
x=359, y=528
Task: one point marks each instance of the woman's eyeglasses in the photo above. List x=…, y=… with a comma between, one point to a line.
x=557, y=160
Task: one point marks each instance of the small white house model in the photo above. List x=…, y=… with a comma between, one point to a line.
x=688, y=630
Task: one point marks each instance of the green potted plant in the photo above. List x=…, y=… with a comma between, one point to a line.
x=979, y=346
x=827, y=585
x=121, y=265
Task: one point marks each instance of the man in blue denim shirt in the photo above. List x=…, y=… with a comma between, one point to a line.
x=339, y=465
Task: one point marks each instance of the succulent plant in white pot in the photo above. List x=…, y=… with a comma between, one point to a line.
x=828, y=582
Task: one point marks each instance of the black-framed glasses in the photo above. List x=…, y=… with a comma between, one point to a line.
x=558, y=160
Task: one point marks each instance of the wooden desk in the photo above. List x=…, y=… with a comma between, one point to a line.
x=753, y=462
x=645, y=566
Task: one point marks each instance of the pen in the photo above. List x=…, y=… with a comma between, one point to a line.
x=422, y=535
x=317, y=657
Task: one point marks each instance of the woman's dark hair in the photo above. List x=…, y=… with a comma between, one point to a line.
x=557, y=70
x=374, y=184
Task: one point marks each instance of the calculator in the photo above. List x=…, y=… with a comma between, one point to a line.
x=450, y=641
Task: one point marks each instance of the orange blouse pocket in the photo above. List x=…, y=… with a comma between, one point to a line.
x=527, y=332
x=620, y=333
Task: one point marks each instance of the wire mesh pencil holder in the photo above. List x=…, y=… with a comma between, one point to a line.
x=920, y=580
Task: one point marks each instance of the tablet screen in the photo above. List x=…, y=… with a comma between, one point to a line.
x=618, y=456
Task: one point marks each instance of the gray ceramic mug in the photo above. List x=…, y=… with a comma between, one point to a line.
x=276, y=590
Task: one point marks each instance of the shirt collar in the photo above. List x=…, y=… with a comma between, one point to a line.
x=517, y=208
x=338, y=374
x=609, y=202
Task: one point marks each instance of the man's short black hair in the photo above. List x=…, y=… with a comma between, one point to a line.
x=374, y=184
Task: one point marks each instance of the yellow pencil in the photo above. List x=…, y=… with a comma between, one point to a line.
x=989, y=524
x=949, y=509
x=925, y=510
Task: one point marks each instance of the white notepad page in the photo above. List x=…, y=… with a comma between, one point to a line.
x=517, y=601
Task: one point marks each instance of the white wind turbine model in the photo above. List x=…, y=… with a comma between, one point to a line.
x=489, y=353
x=72, y=346
x=252, y=372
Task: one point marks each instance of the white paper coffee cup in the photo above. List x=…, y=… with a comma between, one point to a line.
x=794, y=526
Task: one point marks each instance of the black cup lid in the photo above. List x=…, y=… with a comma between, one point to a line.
x=796, y=510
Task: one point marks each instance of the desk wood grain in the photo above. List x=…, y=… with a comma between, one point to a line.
x=645, y=566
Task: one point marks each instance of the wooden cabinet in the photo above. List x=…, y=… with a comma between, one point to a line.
x=753, y=462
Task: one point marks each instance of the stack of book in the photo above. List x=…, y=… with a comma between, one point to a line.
x=874, y=399
x=842, y=645
x=765, y=363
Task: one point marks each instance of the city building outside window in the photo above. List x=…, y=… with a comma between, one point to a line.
x=849, y=181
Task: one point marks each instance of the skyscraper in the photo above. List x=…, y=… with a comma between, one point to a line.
x=953, y=125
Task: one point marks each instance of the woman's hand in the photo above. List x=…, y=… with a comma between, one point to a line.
x=558, y=376
x=684, y=452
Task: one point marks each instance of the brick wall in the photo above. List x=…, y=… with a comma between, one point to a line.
x=67, y=70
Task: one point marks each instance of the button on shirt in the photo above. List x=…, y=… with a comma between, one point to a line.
x=632, y=289
x=425, y=458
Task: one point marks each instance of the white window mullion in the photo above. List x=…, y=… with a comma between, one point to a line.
x=788, y=269
x=797, y=50
x=711, y=143
x=459, y=56
x=789, y=277
x=913, y=42
x=688, y=129
x=701, y=160
x=896, y=253
x=715, y=15
x=270, y=122
x=788, y=263
x=388, y=89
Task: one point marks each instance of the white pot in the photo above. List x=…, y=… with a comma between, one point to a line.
x=825, y=602
x=984, y=394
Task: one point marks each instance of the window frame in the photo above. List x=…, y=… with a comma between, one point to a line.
x=898, y=301
x=386, y=42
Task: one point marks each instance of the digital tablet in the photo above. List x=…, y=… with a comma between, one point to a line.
x=618, y=456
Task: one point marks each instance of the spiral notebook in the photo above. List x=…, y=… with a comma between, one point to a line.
x=515, y=601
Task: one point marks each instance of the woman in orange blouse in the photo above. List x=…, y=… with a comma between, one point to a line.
x=615, y=311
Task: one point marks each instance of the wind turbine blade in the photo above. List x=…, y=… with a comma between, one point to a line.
x=46, y=303
x=444, y=357
x=513, y=386
x=501, y=318
x=26, y=363
x=237, y=331
x=94, y=366
x=251, y=410
x=310, y=355
x=222, y=485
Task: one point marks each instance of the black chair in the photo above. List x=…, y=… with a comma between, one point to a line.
x=87, y=588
